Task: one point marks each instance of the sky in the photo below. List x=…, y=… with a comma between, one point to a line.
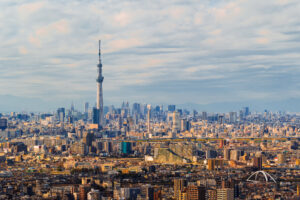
x=157, y=52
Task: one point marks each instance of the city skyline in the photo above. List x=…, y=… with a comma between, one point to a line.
x=214, y=52
x=200, y=101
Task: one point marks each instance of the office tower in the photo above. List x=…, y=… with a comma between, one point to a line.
x=241, y=115
x=246, y=111
x=232, y=117
x=257, y=162
x=88, y=139
x=86, y=107
x=221, y=119
x=148, y=121
x=3, y=124
x=179, y=111
x=107, y=147
x=176, y=122
x=204, y=115
x=100, y=79
x=195, y=192
x=225, y=194
x=72, y=107
x=136, y=108
x=70, y=119
x=126, y=147
x=86, y=111
x=179, y=185
x=95, y=116
x=183, y=125
x=61, y=114
x=188, y=125
x=171, y=108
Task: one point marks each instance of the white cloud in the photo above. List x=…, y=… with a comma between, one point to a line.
x=147, y=44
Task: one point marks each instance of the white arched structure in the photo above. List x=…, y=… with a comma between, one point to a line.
x=265, y=174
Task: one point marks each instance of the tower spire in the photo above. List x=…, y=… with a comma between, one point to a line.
x=99, y=51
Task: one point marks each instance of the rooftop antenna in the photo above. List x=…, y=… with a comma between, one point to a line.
x=99, y=51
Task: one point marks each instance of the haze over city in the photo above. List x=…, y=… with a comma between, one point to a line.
x=213, y=55
x=150, y=100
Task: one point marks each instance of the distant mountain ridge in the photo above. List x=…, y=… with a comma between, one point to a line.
x=10, y=103
x=288, y=105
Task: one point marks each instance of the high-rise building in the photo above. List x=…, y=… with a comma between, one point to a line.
x=195, y=192
x=126, y=147
x=232, y=117
x=99, y=80
x=204, y=115
x=179, y=185
x=176, y=121
x=136, y=108
x=61, y=114
x=86, y=107
x=148, y=120
x=171, y=108
x=88, y=139
x=246, y=111
x=3, y=123
x=185, y=125
x=107, y=147
x=95, y=116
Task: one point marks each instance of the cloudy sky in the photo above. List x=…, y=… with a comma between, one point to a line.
x=164, y=51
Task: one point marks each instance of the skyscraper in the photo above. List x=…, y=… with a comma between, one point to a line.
x=176, y=121
x=148, y=121
x=99, y=80
x=61, y=114
x=86, y=107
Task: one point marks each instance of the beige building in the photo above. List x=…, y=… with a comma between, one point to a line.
x=225, y=194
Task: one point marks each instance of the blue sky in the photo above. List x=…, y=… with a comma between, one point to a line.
x=178, y=52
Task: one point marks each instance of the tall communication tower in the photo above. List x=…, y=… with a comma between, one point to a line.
x=99, y=81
